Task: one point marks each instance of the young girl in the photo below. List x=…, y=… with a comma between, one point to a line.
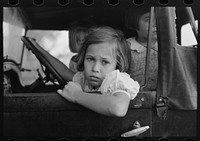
x=138, y=20
x=77, y=33
x=102, y=83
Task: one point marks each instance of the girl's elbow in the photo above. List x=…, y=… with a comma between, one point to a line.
x=118, y=110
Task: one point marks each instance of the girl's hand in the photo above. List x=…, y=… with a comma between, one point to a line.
x=71, y=91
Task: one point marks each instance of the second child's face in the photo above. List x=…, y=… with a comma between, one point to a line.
x=143, y=27
x=99, y=61
x=79, y=40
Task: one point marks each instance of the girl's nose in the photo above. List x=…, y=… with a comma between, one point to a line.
x=96, y=67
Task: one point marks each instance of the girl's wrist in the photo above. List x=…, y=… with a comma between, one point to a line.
x=78, y=97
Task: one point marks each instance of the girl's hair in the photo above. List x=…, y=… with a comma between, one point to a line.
x=132, y=16
x=102, y=34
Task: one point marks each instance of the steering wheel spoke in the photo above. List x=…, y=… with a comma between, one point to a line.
x=54, y=68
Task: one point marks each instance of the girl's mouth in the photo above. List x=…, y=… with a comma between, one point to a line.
x=94, y=78
x=95, y=81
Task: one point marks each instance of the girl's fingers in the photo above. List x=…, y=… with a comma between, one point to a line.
x=59, y=91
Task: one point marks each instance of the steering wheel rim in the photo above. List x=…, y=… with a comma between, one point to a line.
x=60, y=71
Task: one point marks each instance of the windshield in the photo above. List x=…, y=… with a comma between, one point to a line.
x=11, y=41
x=55, y=42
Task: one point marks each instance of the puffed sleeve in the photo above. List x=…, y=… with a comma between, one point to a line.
x=78, y=78
x=117, y=81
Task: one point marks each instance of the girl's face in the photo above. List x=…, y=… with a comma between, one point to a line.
x=99, y=61
x=143, y=27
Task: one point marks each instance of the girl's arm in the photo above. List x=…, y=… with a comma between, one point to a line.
x=110, y=105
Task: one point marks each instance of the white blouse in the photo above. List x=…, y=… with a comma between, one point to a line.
x=115, y=81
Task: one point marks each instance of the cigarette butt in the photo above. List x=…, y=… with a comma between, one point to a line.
x=135, y=132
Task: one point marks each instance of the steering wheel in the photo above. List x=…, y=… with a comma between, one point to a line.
x=52, y=65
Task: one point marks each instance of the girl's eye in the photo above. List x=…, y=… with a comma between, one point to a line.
x=105, y=62
x=89, y=59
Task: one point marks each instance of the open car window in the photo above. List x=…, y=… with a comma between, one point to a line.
x=188, y=38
